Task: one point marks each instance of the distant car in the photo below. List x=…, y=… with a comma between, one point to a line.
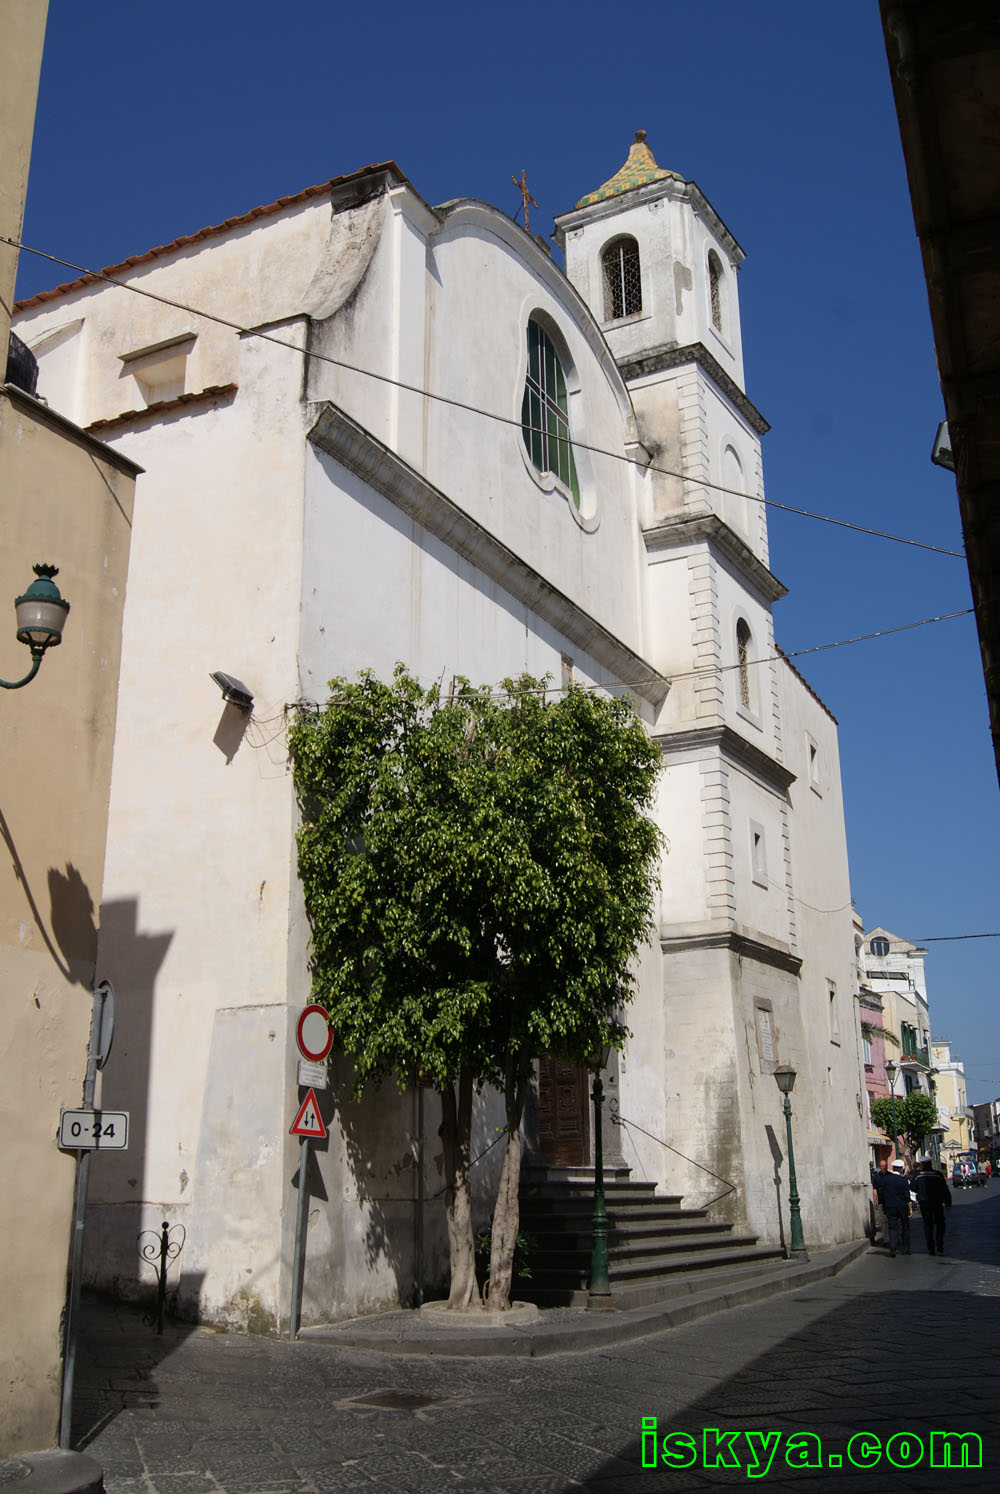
x=966, y=1172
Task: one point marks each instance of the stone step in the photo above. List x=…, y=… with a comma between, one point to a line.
x=753, y=1266
x=624, y=1263
x=635, y=1238
x=581, y=1211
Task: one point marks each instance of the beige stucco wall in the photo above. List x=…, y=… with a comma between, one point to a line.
x=22, y=32
x=65, y=500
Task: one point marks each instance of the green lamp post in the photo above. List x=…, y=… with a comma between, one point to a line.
x=785, y=1077
x=41, y=614
x=599, y=1295
x=890, y=1074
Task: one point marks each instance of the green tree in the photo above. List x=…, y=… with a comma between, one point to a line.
x=916, y=1113
x=478, y=875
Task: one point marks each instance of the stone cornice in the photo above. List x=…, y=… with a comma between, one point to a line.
x=708, y=528
x=695, y=741
x=765, y=953
x=694, y=352
x=375, y=464
x=673, y=187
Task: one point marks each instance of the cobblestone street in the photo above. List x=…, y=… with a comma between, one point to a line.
x=887, y=1347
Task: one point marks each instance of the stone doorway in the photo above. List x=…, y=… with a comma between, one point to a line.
x=563, y=1113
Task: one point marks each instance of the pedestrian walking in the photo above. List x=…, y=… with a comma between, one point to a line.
x=892, y=1191
x=933, y=1196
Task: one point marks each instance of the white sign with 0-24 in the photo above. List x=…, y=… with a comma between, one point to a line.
x=93, y=1130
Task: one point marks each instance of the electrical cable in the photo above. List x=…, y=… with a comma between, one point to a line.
x=471, y=409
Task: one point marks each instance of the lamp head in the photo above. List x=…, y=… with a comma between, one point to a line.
x=784, y=1077
x=41, y=612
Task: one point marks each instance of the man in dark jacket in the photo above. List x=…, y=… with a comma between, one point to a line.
x=892, y=1191
x=933, y=1196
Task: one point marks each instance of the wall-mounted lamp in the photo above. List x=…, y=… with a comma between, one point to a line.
x=41, y=615
x=234, y=692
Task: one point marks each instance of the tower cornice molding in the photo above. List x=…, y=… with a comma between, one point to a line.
x=661, y=359
x=674, y=188
x=708, y=528
x=778, y=956
x=696, y=742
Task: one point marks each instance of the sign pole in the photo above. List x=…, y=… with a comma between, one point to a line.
x=314, y=1037
x=95, y=1054
x=300, y=1239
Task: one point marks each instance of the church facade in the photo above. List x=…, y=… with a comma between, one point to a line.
x=372, y=430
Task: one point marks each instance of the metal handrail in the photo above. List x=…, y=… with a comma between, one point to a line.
x=621, y=1120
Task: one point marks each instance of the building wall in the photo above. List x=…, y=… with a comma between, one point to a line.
x=298, y=521
x=65, y=500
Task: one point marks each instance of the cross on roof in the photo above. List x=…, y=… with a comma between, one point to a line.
x=526, y=197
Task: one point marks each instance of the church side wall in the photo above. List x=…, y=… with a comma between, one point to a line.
x=194, y=925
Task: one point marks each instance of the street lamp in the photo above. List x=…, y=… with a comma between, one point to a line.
x=41, y=614
x=890, y=1074
x=599, y=1295
x=785, y=1078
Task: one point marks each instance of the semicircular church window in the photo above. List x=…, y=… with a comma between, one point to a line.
x=622, y=280
x=545, y=412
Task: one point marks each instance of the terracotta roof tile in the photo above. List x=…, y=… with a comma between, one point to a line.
x=204, y=233
x=162, y=406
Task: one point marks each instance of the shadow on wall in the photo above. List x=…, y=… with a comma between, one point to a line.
x=71, y=934
x=385, y=1133
x=381, y=1150
x=117, y=1208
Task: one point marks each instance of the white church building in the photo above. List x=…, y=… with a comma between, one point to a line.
x=373, y=430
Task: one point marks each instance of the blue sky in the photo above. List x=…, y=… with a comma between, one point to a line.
x=153, y=122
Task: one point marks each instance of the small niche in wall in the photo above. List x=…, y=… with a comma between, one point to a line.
x=160, y=368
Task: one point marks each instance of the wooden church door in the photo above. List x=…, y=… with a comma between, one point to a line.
x=563, y=1109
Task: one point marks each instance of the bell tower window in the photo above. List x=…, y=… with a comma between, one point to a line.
x=743, y=663
x=545, y=412
x=715, y=289
x=622, y=280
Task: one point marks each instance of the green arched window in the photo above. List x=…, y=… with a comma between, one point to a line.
x=545, y=412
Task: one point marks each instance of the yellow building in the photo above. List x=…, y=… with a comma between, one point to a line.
x=954, y=1110
x=65, y=499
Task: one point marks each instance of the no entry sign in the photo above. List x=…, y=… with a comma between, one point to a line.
x=313, y=1033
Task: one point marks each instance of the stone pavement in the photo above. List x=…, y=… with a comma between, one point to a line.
x=885, y=1347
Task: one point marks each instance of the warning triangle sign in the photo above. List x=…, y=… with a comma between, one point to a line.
x=308, y=1122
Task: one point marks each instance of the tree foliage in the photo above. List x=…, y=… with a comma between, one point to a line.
x=478, y=874
x=916, y=1113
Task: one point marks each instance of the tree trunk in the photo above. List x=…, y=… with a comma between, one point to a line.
x=456, y=1133
x=506, y=1216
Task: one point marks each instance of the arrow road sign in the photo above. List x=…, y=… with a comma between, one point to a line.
x=308, y=1122
x=93, y=1130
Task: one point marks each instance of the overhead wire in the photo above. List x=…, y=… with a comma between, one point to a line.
x=243, y=331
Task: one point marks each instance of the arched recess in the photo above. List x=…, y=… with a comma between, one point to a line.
x=735, y=508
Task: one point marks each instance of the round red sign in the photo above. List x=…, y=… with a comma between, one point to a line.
x=313, y=1033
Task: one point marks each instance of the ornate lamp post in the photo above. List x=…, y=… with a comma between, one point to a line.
x=890, y=1074
x=785, y=1078
x=599, y=1296
x=41, y=613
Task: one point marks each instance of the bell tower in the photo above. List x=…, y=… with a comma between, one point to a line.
x=658, y=268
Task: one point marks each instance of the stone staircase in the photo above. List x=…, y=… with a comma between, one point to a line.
x=656, y=1248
